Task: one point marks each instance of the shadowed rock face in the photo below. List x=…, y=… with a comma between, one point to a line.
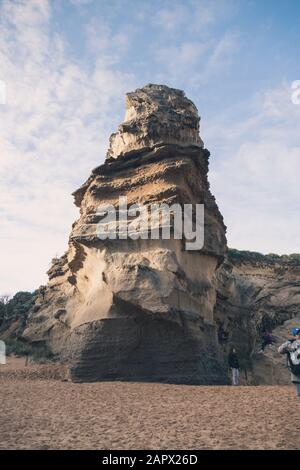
x=256, y=292
x=139, y=309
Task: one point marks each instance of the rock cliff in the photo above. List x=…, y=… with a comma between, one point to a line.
x=140, y=309
x=148, y=308
x=257, y=292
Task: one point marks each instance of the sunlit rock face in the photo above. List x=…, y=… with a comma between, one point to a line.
x=139, y=309
x=150, y=309
x=155, y=115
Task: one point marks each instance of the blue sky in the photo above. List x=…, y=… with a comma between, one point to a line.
x=67, y=65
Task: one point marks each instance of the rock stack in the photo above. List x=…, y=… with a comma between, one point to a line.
x=139, y=309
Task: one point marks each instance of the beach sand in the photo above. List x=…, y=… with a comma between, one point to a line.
x=41, y=411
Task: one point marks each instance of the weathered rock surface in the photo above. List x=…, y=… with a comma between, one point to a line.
x=139, y=309
x=148, y=309
x=156, y=114
x=256, y=292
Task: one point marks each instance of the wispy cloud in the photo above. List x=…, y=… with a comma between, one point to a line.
x=256, y=176
x=192, y=15
x=187, y=47
x=54, y=129
x=67, y=66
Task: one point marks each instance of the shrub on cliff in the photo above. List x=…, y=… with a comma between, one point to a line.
x=16, y=306
x=13, y=313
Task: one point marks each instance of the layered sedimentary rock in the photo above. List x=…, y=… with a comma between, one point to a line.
x=256, y=293
x=139, y=309
x=149, y=309
x=154, y=116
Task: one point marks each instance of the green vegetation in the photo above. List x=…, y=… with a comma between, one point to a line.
x=13, y=312
x=16, y=307
x=37, y=353
x=253, y=256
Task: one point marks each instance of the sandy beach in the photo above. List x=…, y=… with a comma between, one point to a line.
x=41, y=411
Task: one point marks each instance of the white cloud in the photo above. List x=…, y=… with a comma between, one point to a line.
x=195, y=62
x=58, y=116
x=255, y=178
x=81, y=2
x=221, y=55
x=102, y=38
x=172, y=18
x=192, y=15
x=54, y=129
x=177, y=58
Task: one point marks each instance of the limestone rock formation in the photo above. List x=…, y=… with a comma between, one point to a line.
x=139, y=309
x=155, y=115
x=149, y=309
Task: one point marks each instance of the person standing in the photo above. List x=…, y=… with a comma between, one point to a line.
x=292, y=349
x=233, y=362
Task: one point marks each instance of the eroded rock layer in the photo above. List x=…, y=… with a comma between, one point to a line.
x=258, y=292
x=139, y=309
x=154, y=115
x=149, y=309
